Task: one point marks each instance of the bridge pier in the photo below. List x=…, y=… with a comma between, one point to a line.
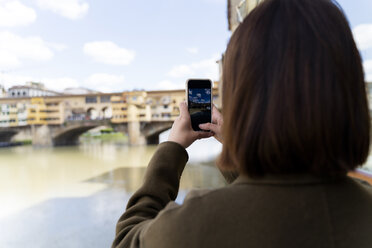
x=152, y=131
x=22, y=135
x=135, y=135
x=153, y=140
x=41, y=136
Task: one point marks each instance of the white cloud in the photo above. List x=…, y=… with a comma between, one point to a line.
x=363, y=36
x=13, y=13
x=57, y=84
x=207, y=68
x=57, y=46
x=9, y=80
x=181, y=71
x=100, y=82
x=14, y=49
x=71, y=9
x=105, y=82
x=169, y=85
x=108, y=52
x=368, y=70
x=193, y=50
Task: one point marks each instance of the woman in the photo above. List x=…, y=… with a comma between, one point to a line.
x=296, y=121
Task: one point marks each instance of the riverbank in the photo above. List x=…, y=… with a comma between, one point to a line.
x=15, y=143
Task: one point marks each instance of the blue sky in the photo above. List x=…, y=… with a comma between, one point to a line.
x=116, y=45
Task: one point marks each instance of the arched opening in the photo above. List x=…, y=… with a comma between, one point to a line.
x=6, y=135
x=92, y=114
x=151, y=131
x=106, y=113
x=71, y=136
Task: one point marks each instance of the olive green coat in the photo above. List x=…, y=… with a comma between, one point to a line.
x=275, y=211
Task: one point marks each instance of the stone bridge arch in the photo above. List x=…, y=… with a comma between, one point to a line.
x=106, y=112
x=92, y=113
x=69, y=135
x=152, y=130
x=6, y=134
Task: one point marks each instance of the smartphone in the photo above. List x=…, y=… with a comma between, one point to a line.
x=199, y=101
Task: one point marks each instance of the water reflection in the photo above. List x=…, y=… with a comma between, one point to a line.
x=73, y=196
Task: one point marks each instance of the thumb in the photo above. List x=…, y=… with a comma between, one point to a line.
x=184, y=112
x=203, y=135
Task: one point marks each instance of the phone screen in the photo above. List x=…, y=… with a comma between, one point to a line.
x=199, y=102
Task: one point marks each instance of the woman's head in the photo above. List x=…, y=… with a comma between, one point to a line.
x=294, y=97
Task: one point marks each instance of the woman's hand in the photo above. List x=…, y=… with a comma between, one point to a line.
x=215, y=126
x=182, y=132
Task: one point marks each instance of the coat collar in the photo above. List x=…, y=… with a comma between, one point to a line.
x=288, y=179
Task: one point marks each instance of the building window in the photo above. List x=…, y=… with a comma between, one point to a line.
x=105, y=98
x=91, y=99
x=24, y=93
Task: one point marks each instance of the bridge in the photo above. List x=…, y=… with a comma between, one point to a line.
x=60, y=120
x=69, y=133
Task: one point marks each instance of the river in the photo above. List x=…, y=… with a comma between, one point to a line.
x=73, y=196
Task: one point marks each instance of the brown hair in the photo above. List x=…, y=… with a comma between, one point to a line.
x=294, y=98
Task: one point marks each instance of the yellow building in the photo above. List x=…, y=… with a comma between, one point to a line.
x=45, y=112
x=54, y=112
x=130, y=107
x=127, y=107
x=138, y=110
x=119, y=109
x=36, y=112
x=165, y=104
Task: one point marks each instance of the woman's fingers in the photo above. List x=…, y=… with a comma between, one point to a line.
x=214, y=128
x=210, y=127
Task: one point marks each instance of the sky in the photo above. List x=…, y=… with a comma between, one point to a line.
x=117, y=45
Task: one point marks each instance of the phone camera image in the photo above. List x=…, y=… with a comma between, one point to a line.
x=199, y=106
